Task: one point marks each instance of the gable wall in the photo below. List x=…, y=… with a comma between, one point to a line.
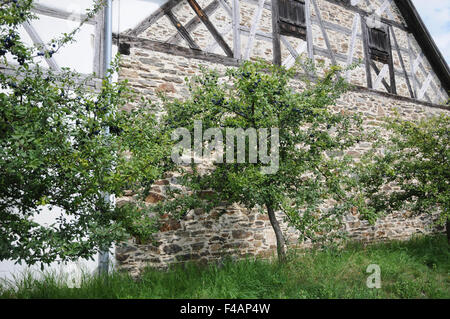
x=234, y=230
x=338, y=21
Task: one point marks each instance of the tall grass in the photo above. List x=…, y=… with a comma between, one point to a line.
x=419, y=268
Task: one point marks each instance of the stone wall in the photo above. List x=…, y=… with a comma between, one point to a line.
x=234, y=230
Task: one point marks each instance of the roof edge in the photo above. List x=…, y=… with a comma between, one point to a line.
x=417, y=27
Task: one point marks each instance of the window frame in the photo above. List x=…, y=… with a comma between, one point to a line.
x=289, y=26
x=379, y=53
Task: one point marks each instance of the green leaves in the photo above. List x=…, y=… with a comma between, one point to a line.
x=54, y=151
x=413, y=173
x=261, y=95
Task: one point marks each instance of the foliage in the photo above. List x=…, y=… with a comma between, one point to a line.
x=55, y=151
x=313, y=138
x=413, y=171
x=414, y=269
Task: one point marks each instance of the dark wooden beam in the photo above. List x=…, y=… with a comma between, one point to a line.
x=195, y=22
x=155, y=16
x=402, y=62
x=276, y=33
x=60, y=14
x=386, y=85
x=168, y=48
x=182, y=31
x=204, y=18
x=324, y=31
x=367, y=58
x=391, y=65
x=176, y=50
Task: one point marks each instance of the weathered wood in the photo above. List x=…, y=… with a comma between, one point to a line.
x=351, y=47
x=38, y=41
x=253, y=29
x=292, y=18
x=389, y=11
x=292, y=12
x=425, y=41
x=309, y=36
x=383, y=81
x=385, y=7
x=290, y=61
x=379, y=43
x=204, y=18
x=259, y=35
x=363, y=13
x=418, y=61
x=263, y=36
x=411, y=64
x=212, y=45
x=98, y=44
x=433, y=87
x=227, y=8
x=168, y=48
x=324, y=31
x=328, y=25
x=155, y=16
x=195, y=22
x=236, y=15
x=380, y=77
x=182, y=31
x=276, y=34
x=366, y=53
x=425, y=86
x=88, y=80
x=295, y=53
x=344, y=30
x=325, y=53
x=60, y=14
x=402, y=62
x=391, y=65
x=176, y=50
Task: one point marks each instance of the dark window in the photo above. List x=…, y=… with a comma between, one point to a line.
x=292, y=18
x=379, y=44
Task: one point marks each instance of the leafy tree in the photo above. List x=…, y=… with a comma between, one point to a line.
x=314, y=169
x=54, y=151
x=413, y=171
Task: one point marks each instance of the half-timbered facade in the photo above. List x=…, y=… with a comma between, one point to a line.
x=387, y=38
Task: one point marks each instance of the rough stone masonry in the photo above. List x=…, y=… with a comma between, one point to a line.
x=236, y=231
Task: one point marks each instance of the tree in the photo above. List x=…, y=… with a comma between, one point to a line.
x=413, y=171
x=311, y=169
x=53, y=151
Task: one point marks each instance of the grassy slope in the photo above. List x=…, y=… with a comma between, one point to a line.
x=419, y=268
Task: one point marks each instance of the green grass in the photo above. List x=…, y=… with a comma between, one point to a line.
x=419, y=268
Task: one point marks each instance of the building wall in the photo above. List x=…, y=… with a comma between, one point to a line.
x=234, y=230
x=338, y=22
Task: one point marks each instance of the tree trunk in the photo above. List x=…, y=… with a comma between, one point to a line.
x=281, y=245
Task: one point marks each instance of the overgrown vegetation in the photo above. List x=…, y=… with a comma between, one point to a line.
x=416, y=159
x=418, y=268
x=56, y=152
x=304, y=169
